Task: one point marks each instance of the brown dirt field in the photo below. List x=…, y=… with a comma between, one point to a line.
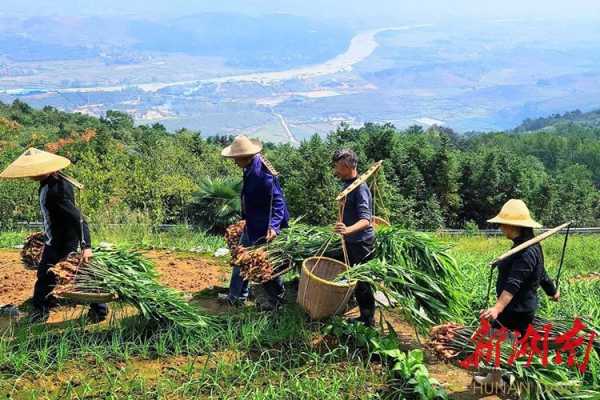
x=592, y=276
x=16, y=282
x=189, y=273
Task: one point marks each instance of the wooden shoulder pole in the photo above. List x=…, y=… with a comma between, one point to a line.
x=530, y=242
x=360, y=180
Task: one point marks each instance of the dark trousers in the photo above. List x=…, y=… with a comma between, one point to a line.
x=514, y=321
x=359, y=252
x=46, y=280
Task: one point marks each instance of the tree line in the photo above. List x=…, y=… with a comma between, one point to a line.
x=431, y=178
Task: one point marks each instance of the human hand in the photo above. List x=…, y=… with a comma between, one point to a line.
x=341, y=229
x=271, y=234
x=490, y=314
x=87, y=255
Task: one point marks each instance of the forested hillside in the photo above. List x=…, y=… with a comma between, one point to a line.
x=432, y=178
x=591, y=118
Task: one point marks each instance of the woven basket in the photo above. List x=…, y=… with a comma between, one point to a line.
x=88, y=298
x=378, y=222
x=317, y=294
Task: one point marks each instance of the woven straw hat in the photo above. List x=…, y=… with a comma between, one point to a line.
x=35, y=162
x=515, y=212
x=242, y=146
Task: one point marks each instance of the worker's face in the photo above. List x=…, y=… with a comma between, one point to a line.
x=242, y=162
x=343, y=171
x=511, y=232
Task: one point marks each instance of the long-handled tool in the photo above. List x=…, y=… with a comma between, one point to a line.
x=525, y=245
x=360, y=180
x=530, y=243
x=562, y=256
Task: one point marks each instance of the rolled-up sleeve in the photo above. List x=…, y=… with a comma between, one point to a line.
x=278, y=205
x=547, y=284
x=363, y=203
x=522, y=269
x=86, y=239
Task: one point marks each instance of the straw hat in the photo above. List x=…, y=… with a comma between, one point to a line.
x=242, y=146
x=35, y=162
x=515, y=212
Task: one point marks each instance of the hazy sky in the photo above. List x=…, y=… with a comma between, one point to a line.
x=371, y=9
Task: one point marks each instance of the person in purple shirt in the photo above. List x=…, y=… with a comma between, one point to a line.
x=264, y=210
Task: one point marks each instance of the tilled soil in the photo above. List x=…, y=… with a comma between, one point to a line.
x=188, y=273
x=16, y=282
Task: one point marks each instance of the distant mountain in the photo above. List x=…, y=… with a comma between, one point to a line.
x=262, y=42
x=591, y=118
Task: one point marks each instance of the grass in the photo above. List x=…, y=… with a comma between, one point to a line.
x=11, y=239
x=138, y=236
x=246, y=355
x=249, y=356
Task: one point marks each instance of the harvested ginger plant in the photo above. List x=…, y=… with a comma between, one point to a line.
x=66, y=270
x=234, y=232
x=133, y=279
x=442, y=338
x=233, y=235
x=254, y=265
x=31, y=254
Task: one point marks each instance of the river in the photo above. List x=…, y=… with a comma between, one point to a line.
x=361, y=46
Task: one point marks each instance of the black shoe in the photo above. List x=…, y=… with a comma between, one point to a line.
x=268, y=306
x=228, y=301
x=95, y=317
x=10, y=311
x=39, y=316
x=52, y=301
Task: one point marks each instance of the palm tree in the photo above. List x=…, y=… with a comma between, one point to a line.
x=217, y=204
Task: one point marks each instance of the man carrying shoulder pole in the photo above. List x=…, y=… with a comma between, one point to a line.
x=356, y=228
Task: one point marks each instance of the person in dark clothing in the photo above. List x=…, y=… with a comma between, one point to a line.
x=65, y=229
x=520, y=275
x=356, y=228
x=265, y=211
x=66, y=232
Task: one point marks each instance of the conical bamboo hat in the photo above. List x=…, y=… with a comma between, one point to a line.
x=35, y=162
x=515, y=212
x=242, y=146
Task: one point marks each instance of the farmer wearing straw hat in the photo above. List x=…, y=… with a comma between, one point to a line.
x=64, y=226
x=520, y=275
x=356, y=228
x=264, y=210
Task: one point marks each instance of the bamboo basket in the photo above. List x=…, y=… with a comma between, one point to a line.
x=378, y=222
x=317, y=294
